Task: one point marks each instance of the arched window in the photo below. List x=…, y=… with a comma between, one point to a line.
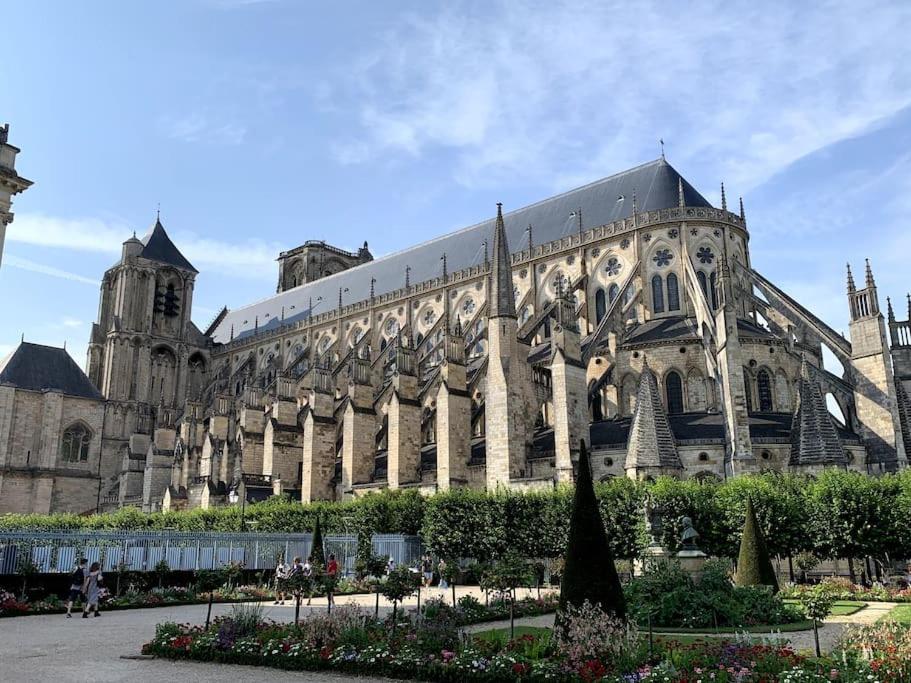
x=600, y=305
x=704, y=285
x=657, y=294
x=713, y=291
x=747, y=390
x=597, y=412
x=612, y=292
x=673, y=293
x=74, y=446
x=764, y=390
x=673, y=387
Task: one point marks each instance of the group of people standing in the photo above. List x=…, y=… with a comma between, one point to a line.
x=427, y=572
x=85, y=584
x=284, y=574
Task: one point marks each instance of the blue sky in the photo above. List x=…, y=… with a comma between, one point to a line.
x=260, y=124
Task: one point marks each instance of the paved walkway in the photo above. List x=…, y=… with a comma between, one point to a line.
x=53, y=648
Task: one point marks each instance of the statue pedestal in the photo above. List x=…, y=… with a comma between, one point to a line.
x=692, y=561
x=652, y=555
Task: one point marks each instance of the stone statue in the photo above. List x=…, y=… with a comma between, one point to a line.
x=689, y=535
x=655, y=524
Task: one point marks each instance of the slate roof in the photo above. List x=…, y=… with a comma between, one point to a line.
x=654, y=184
x=35, y=367
x=814, y=438
x=157, y=246
x=651, y=442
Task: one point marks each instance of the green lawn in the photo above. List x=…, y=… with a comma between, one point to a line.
x=502, y=634
x=901, y=614
x=842, y=608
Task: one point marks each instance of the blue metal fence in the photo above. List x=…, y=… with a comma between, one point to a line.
x=57, y=551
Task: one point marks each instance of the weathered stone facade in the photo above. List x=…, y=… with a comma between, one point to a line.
x=11, y=183
x=626, y=313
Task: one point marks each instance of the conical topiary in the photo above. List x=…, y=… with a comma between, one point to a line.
x=317, y=553
x=589, y=572
x=754, y=568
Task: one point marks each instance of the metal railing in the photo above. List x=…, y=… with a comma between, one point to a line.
x=58, y=551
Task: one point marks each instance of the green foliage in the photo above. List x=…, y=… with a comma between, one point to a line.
x=208, y=580
x=817, y=602
x=400, y=584
x=589, y=574
x=754, y=568
x=507, y=573
x=668, y=595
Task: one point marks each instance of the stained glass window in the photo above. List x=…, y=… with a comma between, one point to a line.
x=663, y=257
x=673, y=293
x=657, y=294
x=74, y=447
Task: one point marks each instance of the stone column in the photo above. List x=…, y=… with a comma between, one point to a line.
x=453, y=416
x=358, y=428
x=570, y=395
x=404, y=413
x=319, y=442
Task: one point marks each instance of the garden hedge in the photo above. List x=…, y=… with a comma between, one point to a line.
x=837, y=514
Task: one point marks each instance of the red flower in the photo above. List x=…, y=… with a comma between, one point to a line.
x=520, y=669
x=325, y=652
x=592, y=670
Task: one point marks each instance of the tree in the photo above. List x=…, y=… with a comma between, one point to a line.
x=505, y=575
x=589, y=573
x=161, y=570
x=372, y=566
x=817, y=603
x=208, y=581
x=400, y=584
x=298, y=583
x=317, y=551
x=754, y=568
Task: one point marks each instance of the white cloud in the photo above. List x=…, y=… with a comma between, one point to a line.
x=197, y=127
x=14, y=261
x=71, y=322
x=529, y=92
x=252, y=259
x=5, y=350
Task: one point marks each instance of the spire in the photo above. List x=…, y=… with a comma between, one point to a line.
x=531, y=241
x=743, y=215
x=445, y=269
x=889, y=309
x=651, y=443
x=457, y=330
x=851, y=286
x=372, y=287
x=681, y=200
x=407, y=277
x=814, y=438
x=870, y=283
x=502, y=299
x=909, y=305
x=724, y=199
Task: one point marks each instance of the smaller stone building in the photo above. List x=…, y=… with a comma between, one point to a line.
x=51, y=423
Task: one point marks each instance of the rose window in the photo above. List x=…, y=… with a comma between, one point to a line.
x=705, y=255
x=468, y=306
x=663, y=257
x=613, y=266
x=392, y=327
x=429, y=317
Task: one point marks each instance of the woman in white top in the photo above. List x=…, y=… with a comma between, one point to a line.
x=281, y=575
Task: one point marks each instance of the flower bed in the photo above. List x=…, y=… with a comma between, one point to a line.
x=595, y=647
x=843, y=589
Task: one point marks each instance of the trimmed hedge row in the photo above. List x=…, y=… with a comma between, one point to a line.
x=837, y=514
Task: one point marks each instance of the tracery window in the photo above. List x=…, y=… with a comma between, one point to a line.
x=764, y=390
x=713, y=285
x=673, y=387
x=673, y=293
x=747, y=390
x=468, y=306
x=657, y=294
x=74, y=446
x=600, y=305
x=612, y=293
x=392, y=327
x=613, y=266
x=704, y=285
x=430, y=317
x=705, y=255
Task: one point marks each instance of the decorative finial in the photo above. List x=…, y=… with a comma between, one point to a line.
x=158, y=213
x=134, y=234
x=256, y=323
x=909, y=306
x=407, y=277
x=681, y=200
x=372, y=287
x=869, y=275
x=743, y=216
x=499, y=211
x=310, y=306
x=4, y=133
x=458, y=326
x=22, y=338
x=232, y=332
x=724, y=199
x=283, y=312
x=661, y=142
x=445, y=270
x=486, y=257
x=889, y=309
x=851, y=287
x=531, y=242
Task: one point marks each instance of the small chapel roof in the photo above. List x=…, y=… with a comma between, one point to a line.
x=157, y=246
x=35, y=367
x=654, y=186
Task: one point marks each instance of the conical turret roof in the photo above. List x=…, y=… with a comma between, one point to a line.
x=157, y=246
x=651, y=442
x=814, y=439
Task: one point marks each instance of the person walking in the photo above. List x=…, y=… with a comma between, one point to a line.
x=91, y=589
x=331, y=576
x=441, y=567
x=390, y=565
x=427, y=569
x=281, y=578
x=77, y=579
